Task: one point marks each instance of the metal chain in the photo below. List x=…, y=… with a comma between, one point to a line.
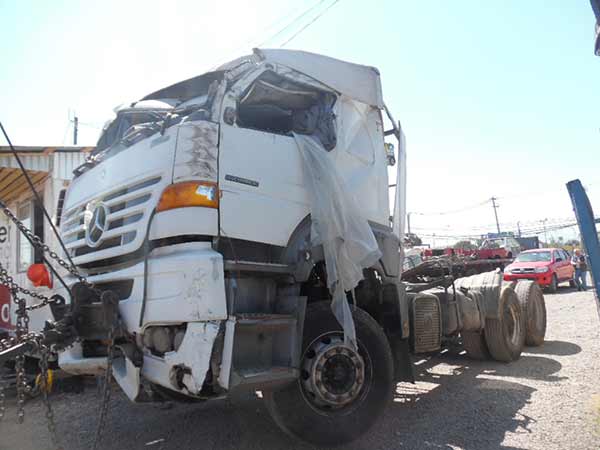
x=37, y=242
x=8, y=281
x=22, y=326
x=23, y=335
x=2, y=397
x=43, y=364
x=106, y=387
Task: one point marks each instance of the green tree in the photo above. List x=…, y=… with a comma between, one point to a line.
x=465, y=245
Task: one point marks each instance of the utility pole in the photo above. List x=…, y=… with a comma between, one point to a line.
x=496, y=213
x=75, y=129
x=545, y=231
x=408, y=221
x=519, y=228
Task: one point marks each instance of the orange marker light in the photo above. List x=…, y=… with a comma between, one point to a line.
x=39, y=276
x=189, y=193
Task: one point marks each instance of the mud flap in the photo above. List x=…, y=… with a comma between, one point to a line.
x=128, y=377
x=404, y=369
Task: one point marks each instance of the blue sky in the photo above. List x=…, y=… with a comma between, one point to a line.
x=496, y=98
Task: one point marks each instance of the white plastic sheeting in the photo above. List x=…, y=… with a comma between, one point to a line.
x=400, y=198
x=338, y=225
x=360, y=157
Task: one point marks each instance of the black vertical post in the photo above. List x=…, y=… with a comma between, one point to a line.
x=496, y=213
x=75, y=129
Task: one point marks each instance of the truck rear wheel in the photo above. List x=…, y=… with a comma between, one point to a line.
x=505, y=335
x=341, y=393
x=534, y=308
x=475, y=345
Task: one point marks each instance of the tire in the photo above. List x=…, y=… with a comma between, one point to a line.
x=553, y=287
x=475, y=345
x=572, y=283
x=296, y=409
x=510, y=255
x=505, y=336
x=533, y=306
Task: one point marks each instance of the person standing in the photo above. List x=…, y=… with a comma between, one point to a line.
x=576, y=263
x=582, y=271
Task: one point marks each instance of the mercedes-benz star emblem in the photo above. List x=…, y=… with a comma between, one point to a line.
x=97, y=225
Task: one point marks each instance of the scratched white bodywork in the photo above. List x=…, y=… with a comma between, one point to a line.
x=185, y=221
x=185, y=284
x=262, y=200
x=197, y=152
x=194, y=353
x=73, y=362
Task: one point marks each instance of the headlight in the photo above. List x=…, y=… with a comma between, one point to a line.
x=542, y=269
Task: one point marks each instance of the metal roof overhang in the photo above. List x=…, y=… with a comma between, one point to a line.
x=13, y=183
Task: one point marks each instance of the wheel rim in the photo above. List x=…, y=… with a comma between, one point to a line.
x=512, y=324
x=334, y=376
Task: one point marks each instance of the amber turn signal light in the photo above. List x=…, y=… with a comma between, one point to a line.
x=189, y=193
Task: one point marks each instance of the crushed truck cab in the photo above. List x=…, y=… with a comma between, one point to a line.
x=241, y=219
x=235, y=233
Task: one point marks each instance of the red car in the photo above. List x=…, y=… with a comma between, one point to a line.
x=546, y=266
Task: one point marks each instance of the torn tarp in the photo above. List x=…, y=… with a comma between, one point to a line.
x=338, y=225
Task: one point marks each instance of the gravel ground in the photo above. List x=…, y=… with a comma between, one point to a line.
x=549, y=399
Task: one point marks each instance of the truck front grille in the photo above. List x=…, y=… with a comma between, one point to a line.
x=127, y=207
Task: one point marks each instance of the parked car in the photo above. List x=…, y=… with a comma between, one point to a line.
x=547, y=266
x=499, y=248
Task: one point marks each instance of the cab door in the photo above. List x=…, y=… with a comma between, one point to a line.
x=262, y=192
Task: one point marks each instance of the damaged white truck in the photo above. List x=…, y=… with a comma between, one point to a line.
x=233, y=231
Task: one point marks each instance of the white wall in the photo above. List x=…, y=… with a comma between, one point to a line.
x=8, y=250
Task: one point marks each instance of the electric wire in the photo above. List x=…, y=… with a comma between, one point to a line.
x=293, y=22
x=453, y=211
x=36, y=195
x=311, y=22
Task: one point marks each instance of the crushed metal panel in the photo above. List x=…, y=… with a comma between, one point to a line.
x=197, y=151
x=359, y=82
x=187, y=89
x=194, y=354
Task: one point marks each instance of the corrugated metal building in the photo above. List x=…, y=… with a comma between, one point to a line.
x=50, y=169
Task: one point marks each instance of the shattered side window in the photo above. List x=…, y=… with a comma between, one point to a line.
x=276, y=105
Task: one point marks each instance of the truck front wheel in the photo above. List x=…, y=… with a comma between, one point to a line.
x=341, y=392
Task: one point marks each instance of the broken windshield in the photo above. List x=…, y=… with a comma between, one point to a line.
x=115, y=131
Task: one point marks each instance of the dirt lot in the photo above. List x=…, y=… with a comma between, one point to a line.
x=549, y=399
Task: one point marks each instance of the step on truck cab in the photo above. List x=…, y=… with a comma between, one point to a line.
x=195, y=211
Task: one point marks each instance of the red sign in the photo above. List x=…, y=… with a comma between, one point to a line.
x=5, y=308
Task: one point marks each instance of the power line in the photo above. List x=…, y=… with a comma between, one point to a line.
x=250, y=42
x=452, y=211
x=299, y=17
x=311, y=22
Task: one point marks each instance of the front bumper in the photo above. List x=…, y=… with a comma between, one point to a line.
x=185, y=285
x=543, y=279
